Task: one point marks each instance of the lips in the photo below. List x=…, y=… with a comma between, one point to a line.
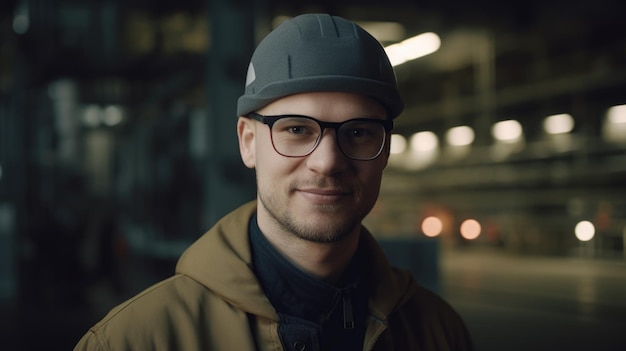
x=324, y=195
x=328, y=192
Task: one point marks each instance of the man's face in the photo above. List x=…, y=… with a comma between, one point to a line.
x=324, y=196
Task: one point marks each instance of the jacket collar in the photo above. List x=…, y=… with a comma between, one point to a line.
x=292, y=290
x=221, y=260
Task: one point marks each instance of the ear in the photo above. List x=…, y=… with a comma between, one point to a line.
x=247, y=147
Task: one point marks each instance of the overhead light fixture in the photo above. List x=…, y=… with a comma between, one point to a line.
x=460, y=136
x=508, y=131
x=413, y=48
x=617, y=114
x=424, y=141
x=398, y=144
x=558, y=124
x=384, y=31
x=614, y=126
x=584, y=230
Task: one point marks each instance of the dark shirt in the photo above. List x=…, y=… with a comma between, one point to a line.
x=313, y=314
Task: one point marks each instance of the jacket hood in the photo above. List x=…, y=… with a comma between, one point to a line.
x=221, y=261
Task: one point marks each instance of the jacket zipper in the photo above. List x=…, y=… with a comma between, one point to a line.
x=348, y=317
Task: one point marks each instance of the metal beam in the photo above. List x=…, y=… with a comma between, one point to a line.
x=229, y=183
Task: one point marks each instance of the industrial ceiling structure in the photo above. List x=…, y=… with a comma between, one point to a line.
x=497, y=61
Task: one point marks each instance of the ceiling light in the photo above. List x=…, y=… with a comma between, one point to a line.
x=617, y=114
x=424, y=141
x=398, y=144
x=508, y=131
x=460, y=136
x=384, y=31
x=413, y=48
x=558, y=124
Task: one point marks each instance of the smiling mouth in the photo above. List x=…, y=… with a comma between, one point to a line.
x=324, y=195
x=330, y=192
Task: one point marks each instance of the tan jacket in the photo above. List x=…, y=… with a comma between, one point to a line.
x=214, y=302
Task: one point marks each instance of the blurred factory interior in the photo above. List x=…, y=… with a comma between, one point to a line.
x=115, y=154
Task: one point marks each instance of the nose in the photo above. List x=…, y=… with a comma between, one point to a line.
x=327, y=158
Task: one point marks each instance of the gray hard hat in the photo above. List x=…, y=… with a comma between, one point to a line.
x=315, y=53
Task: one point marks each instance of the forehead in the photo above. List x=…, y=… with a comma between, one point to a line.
x=327, y=106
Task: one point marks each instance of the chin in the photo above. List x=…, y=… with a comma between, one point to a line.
x=327, y=229
x=326, y=237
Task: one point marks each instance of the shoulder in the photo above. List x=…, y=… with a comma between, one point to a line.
x=150, y=318
x=171, y=293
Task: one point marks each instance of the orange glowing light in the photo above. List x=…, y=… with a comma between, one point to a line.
x=470, y=229
x=432, y=226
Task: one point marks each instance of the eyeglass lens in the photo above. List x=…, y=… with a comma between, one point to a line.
x=298, y=136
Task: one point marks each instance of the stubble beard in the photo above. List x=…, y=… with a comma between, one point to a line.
x=306, y=230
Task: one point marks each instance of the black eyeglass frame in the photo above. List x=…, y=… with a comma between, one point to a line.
x=270, y=120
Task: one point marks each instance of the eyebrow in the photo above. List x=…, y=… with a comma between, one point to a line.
x=365, y=116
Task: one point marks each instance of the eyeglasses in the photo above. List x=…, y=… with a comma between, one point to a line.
x=360, y=139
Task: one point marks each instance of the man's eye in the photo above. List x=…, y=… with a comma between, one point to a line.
x=359, y=133
x=298, y=130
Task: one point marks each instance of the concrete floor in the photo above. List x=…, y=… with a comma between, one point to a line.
x=537, y=303
x=509, y=303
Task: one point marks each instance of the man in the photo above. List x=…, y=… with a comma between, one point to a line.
x=295, y=270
